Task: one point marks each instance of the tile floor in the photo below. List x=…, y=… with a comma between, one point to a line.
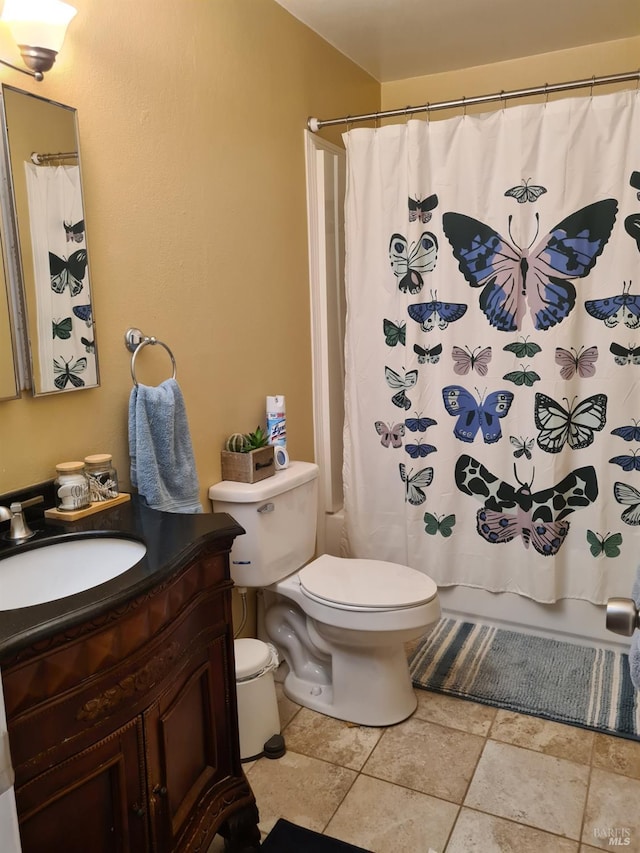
x=456, y=777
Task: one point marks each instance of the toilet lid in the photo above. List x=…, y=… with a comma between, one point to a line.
x=369, y=584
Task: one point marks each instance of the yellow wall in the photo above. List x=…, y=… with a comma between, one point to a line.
x=191, y=119
x=577, y=64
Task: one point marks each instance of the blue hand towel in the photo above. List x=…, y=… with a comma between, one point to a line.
x=162, y=462
x=634, y=651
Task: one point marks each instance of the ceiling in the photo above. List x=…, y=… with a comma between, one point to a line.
x=398, y=39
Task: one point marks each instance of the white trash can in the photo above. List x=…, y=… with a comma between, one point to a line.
x=258, y=718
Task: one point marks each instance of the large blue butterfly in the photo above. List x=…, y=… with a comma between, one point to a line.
x=624, y=308
x=473, y=416
x=513, y=278
x=428, y=314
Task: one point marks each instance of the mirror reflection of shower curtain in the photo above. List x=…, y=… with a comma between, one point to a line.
x=66, y=346
x=492, y=399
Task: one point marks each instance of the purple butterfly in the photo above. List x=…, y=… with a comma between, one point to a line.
x=513, y=278
x=473, y=416
x=391, y=435
x=465, y=360
x=539, y=518
x=584, y=363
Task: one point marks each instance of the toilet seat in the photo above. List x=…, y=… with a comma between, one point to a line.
x=365, y=585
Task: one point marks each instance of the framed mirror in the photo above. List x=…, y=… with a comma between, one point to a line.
x=12, y=344
x=9, y=385
x=42, y=144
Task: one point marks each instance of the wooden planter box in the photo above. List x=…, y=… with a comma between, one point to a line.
x=248, y=467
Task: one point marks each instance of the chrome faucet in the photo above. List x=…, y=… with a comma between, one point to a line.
x=19, y=530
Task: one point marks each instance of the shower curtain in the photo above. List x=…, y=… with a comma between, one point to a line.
x=66, y=345
x=492, y=423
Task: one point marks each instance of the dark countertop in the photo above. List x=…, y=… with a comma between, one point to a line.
x=171, y=539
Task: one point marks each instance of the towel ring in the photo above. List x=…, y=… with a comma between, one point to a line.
x=136, y=341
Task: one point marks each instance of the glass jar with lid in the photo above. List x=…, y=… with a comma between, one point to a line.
x=103, y=479
x=71, y=486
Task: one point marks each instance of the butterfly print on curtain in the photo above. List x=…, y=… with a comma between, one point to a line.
x=526, y=192
x=443, y=524
x=411, y=262
x=421, y=209
x=538, y=518
x=582, y=362
x=576, y=425
x=514, y=278
x=436, y=313
x=465, y=360
x=612, y=310
x=473, y=416
x=609, y=544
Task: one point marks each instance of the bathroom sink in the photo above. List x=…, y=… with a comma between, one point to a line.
x=60, y=569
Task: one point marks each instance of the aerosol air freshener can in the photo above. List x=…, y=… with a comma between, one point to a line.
x=276, y=420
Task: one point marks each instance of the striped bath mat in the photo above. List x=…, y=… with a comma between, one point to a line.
x=578, y=685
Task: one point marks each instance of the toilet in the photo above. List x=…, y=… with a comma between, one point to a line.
x=340, y=624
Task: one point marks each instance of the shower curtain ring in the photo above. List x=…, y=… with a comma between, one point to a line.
x=546, y=94
x=503, y=99
x=593, y=80
x=464, y=105
x=406, y=112
x=349, y=123
x=428, y=111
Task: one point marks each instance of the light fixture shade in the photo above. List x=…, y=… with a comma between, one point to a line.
x=38, y=23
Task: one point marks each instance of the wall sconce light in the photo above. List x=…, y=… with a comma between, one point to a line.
x=38, y=28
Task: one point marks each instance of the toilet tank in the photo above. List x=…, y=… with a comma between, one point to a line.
x=279, y=515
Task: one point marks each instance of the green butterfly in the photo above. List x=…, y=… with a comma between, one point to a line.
x=523, y=349
x=608, y=545
x=433, y=524
x=522, y=377
x=393, y=334
x=62, y=329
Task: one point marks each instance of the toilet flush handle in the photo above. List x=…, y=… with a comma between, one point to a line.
x=268, y=507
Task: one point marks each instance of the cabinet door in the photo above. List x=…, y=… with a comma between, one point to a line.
x=93, y=802
x=187, y=735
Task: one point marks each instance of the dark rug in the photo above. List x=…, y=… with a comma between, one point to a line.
x=578, y=685
x=286, y=837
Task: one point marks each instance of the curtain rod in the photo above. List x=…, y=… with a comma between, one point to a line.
x=315, y=124
x=39, y=159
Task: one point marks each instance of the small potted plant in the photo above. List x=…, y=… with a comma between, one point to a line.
x=248, y=457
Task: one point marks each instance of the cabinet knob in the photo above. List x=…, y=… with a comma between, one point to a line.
x=161, y=790
x=137, y=810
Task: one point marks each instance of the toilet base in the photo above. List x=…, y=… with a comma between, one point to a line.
x=370, y=688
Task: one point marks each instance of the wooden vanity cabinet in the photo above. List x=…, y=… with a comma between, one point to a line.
x=123, y=729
